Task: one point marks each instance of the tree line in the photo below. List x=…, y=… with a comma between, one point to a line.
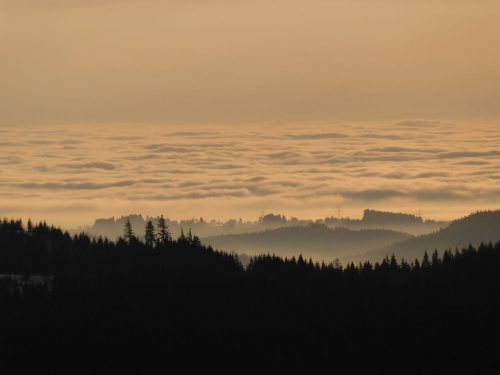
x=148, y=301
x=38, y=248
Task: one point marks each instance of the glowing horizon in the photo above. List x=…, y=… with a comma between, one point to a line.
x=229, y=109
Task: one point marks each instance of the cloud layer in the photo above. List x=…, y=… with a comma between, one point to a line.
x=70, y=175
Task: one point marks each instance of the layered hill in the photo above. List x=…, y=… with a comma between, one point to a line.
x=112, y=227
x=473, y=229
x=313, y=240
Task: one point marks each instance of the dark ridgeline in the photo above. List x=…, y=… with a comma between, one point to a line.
x=314, y=240
x=131, y=306
x=475, y=228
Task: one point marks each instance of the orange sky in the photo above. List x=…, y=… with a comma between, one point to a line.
x=235, y=108
x=83, y=61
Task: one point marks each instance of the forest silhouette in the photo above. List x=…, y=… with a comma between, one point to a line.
x=141, y=303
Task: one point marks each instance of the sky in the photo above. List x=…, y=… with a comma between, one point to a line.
x=224, y=109
x=193, y=61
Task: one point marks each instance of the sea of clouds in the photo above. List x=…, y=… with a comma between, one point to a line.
x=70, y=175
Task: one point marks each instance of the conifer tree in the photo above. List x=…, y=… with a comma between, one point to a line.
x=447, y=257
x=393, y=262
x=182, y=236
x=149, y=236
x=162, y=234
x=435, y=258
x=128, y=233
x=425, y=261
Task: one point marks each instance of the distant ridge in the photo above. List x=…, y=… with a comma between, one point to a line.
x=372, y=219
x=482, y=226
x=389, y=218
x=313, y=240
x=396, y=221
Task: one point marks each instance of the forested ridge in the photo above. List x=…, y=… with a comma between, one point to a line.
x=135, y=304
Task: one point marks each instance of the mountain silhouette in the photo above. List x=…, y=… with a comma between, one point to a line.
x=85, y=305
x=313, y=240
x=396, y=221
x=473, y=229
x=371, y=219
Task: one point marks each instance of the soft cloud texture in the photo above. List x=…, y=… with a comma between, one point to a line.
x=70, y=175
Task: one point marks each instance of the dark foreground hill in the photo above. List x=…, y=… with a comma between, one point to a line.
x=128, y=307
x=314, y=240
x=473, y=229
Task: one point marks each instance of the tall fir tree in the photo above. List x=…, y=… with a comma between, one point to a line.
x=149, y=236
x=435, y=261
x=162, y=233
x=425, y=261
x=128, y=232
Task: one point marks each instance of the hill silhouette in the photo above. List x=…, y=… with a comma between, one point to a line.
x=473, y=229
x=371, y=219
x=313, y=240
x=74, y=304
x=396, y=221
